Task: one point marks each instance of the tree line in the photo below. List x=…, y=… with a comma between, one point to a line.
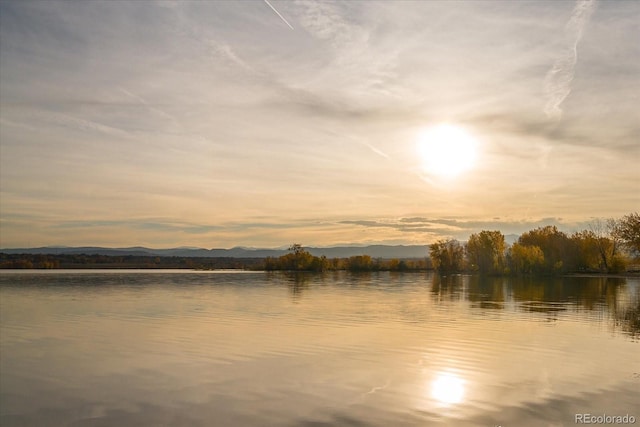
x=606, y=246
x=92, y=261
x=299, y=259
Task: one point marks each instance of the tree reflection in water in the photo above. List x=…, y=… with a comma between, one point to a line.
x=448, y=288
x=628, y=318
x=298, y=282
x=548, y=295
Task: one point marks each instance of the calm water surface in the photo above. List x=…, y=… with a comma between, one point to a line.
x=141, y=348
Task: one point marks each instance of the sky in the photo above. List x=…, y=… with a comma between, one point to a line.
x=259, y=124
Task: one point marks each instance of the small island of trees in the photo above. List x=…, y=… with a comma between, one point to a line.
x=298, y=259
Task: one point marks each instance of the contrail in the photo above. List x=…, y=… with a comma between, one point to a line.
x=278, y=13
x=148, y=106
x=376, y=150
x=557, y=83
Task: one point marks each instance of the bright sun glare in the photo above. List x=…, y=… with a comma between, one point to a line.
x=446, y=150
x=447, y=388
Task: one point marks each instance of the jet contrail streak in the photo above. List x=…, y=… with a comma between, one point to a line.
x=557, y=84
x=376, y=150
x=278, y=13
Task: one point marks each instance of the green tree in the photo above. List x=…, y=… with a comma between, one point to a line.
x=447, y=255
x=485, y=252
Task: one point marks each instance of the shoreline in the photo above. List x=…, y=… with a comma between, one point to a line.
x=627, y=275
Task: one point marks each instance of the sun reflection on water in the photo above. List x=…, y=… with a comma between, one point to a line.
x=447, y=388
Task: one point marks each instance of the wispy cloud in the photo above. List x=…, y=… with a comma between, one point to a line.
x=324, y=21
x=278, y=13
x=558, y=81
x=201, y=115
x=435, y=228
x=358, y=68
x=68, y=121
x=150, y=107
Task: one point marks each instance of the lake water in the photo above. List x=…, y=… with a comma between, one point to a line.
x=160, y=348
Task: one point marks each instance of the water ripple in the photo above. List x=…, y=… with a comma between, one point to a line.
x=139, y=348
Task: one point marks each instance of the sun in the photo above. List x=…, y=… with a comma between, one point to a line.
x=446, y=150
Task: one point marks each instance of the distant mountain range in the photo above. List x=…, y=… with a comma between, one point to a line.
x=375, y=251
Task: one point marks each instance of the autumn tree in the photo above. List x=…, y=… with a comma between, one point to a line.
x=319, y=263
x=555, y=245
x=606, y=242
x=485, y=252
x=588, y=255
x=360, y=263
x=627, y=229
x=524, y=259
x=296, y=248
x=447, y=255
x=298, y=259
